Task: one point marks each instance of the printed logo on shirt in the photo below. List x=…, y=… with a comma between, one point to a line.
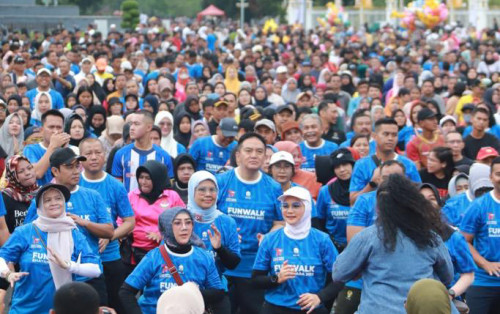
x=204, y=235
x=164, y=286
x=221, y=155
x=493, y=232
x=40, y=258
x=296, y=251
x=70, y=205
x=164, y=205
x=491, y=219
x=212, y=167
x=244, y=213
x=164, y=272
x=180, y=269
x=36, y=243
x=300, y=270
x=248, y=195
x=337, y=213
x=108, y=209
x=279, y=255
x=231, y=193
x=209, y=154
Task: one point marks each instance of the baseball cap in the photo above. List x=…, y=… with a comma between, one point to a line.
x=85, y=60
x=43, y=70
x=281, y=156
x=64, y=190
x=229, y=127
x=479, y=177
x=299, y=96
x=341, y=156
x=19, y=59
x=115, y=125
x=281, y=69
x=425, y=113
x=287, y=126
x=298, y=192
x=220, y=103
x=468, y=106
x=486, y=152
x=446, y=119
x=284, y=107
x=64, y=156
x=306, y=64
x=126, y=65
x=265, y=122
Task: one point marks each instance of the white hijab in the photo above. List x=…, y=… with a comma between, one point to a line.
x=301, y=229
x=168, y=143
x=36, y=114
x=59, y=239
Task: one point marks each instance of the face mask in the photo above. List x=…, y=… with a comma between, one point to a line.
x=467, y=118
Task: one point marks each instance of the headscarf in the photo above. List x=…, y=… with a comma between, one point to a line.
x=182, y=138
x=202, y=215
x=301, y=229
x=321, y=79
x=92, y=112
x=67, y=129
x=36, y=114
x=185, y=299
x=17, y=98
x=290, y=95
x=7, y=140
x=232, y=84
x=178, y=161
x=289, y=146
x=159, y=177
x=263, y=102
x=168, y=143
x=14, y=188
x=153, y=102
x=193, y=126
x=452, y=188
x=59, y=239
x=428, y=296
x=165, y=221
x=195, y=115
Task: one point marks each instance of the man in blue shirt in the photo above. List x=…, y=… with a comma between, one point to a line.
x=53, y=138
x=212, y=152
x=115, y=196
x=64, y=82
x=128, y=158
x=43, y=79
x=366, y=172
x=481, y=228
x=251, y=198
x=361, y=123
x=313, y=145
x=85, y=207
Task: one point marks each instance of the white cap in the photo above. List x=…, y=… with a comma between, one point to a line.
x=298, y=192
x=86, y=60
x=43, y=70
x=266, y=122
x=281, y=156
x=446, y=119
x=126, y=65
x=281, y=69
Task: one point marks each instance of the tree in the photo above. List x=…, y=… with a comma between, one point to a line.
x=130, y=18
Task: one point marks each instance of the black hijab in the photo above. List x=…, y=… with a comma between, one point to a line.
x=159, y=176
x=94, y=110
x=67, y=129
x=153, y=102
x=180, y=137
x=194, y=115
x=339, y=189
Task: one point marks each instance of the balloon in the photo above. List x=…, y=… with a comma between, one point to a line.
x=427, y=14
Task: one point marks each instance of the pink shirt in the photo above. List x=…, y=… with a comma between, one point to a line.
x=146, y=215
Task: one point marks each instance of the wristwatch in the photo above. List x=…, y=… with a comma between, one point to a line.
x=274, y=278
x=373, y=184
x=452, y=293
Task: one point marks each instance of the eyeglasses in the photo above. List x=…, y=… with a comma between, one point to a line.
x=294, y=205
x=207, y=190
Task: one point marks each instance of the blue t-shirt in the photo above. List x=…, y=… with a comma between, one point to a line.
x=334, y=214
x=35, y=152
x=312, y=258
x=310, y=153
x=482, y=220
x=363, y=172
x=3, y=210
x=372, y=145
x=57, y=99
x=494, y=130
x=254, y=206
x=88, y=205
x=34, y=293
x=363, y=212
x=117, y=205
x=208, y=155
x=152, y=275
x=64, y=90
x=455, y=208
x=229, y=234
x=129, y=158
x=460, y=254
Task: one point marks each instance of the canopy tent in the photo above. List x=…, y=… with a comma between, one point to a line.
x=211, y=10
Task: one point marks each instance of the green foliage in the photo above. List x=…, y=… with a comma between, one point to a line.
x=169, y=8
x=130, y=18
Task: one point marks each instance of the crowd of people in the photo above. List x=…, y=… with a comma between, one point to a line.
x=209, y=168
